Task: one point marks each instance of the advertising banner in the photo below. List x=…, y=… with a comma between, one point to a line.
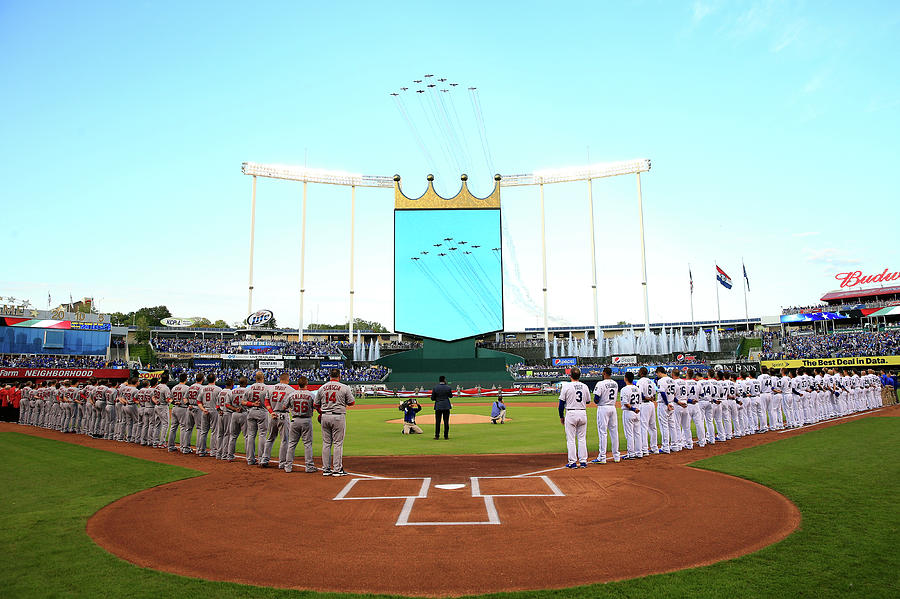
x=207, y=363
x=853, y=362
x=271, y=364
x=331, y=364
x=150, y=374
x=64, y=373
x=622, y=360
x=249, y=357
x=565, y=361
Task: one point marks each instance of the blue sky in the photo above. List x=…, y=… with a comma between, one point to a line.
x=772, y=127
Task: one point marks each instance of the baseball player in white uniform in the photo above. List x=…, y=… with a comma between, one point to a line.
x=766, y=383
x=573, y=399
x=647, y=414
x=630, y=398
x=665, y=411
x=605, y=392
x=708, y=393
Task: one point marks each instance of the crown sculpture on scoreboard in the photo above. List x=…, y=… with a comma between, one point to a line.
x=430, y=200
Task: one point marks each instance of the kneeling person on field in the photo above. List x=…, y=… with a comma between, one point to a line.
x=498, y=410
x=410, y=408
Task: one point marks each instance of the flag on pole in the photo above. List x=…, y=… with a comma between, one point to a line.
x=691, y=278
x=723, y=277
x=745, y=276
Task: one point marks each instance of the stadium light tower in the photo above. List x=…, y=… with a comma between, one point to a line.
x=309, y=175
x=587, y=173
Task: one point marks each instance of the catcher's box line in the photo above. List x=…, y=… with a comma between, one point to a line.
x=787, y=430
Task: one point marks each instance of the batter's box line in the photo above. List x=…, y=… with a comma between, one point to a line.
x=476, y=487
x=423, y=491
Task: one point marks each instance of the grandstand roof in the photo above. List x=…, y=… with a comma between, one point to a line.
x=855, y=293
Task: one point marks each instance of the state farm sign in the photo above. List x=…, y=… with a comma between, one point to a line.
x=852, y=279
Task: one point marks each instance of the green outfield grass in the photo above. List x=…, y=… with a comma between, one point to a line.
x=845, y=480
x=532, y=429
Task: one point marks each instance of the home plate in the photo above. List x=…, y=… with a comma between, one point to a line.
x=450, y=487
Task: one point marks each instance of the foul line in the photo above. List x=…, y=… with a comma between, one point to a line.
x=857, y=415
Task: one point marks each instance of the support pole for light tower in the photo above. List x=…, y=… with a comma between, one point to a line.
x=544, y=272
x=252, y=232
x=352, y=244
x=302, y=261
x=594, y=266
x=643, y=256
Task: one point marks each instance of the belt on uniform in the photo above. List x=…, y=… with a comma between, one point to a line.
x=646, y=401
x=576, y=410
x=333, y=414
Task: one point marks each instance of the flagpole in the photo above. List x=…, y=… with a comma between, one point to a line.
x=718, y=306
x=746, y=311
x=692, y=297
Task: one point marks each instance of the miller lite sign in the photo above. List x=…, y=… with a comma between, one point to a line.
x=259, y=318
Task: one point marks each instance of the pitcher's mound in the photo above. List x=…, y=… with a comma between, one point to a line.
x=454, y=419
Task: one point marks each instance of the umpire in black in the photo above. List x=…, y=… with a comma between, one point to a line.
x=441, y=395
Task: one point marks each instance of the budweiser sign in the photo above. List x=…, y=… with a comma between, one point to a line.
x=852, y=279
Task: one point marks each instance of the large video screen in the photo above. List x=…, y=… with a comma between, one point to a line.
x=448, y=273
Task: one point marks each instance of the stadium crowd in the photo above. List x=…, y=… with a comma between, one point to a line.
x=219, y=346
x=831, y=345
x=839, y=307
x=363, y=374
x=52, y=361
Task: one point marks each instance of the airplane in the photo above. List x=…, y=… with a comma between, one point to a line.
x=445, y=90
x=420, y=91
x=415, y=258
x=429, y=75
x=395, y=94
x=496, y=249
x=453, y=249
x=448, y=239
x=476, y=246
x=463, y=242
x=424, y=253
x=442, y=254
x=454, y=84
x=472, y=88
x=431, y=85
x=442, y=79
x=437, y=245
x=403, y=89
x=467, y=252
x=417, y=81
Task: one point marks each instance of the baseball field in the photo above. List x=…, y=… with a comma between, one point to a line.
x=806, y=513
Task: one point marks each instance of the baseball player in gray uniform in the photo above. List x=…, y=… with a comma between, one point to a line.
x=193, y=414
x=128, y=398
x=23, y=403
x=207, y=414
x=162, y=396
x=98, y=399
x=332, y=400
x=145, y=411
x=235, y=405
x=180, y=412
x=300, y=404
x=257, y=399
x=278, y=424
x=223, y=422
